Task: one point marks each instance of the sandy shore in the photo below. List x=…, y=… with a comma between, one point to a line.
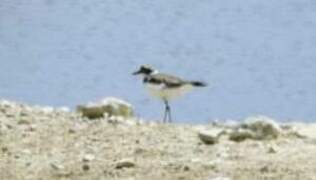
x=48, y=144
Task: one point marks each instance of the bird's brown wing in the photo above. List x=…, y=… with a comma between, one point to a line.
x=169, y=80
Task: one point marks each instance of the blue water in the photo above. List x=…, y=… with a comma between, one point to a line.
x=258, y=57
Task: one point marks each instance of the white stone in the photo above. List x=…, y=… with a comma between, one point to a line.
x=109, y=106
x=88, y=157
x=209, y=136
x=56, y=166
x=220, y=178
x=63, y=109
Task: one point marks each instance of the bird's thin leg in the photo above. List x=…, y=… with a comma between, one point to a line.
x=167, y=112
x=165, y=115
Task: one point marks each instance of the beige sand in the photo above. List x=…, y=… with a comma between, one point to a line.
x=37, y=143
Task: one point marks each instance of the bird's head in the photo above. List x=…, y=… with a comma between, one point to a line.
x=145, y=70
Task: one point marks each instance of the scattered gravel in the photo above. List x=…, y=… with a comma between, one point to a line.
x=48, y=143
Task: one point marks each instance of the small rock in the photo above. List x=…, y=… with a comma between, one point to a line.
x=264, y=169
x=32, y=127
x=4, y=149
x=24, y=121
x=7, y=104
x=209, y=136
x=293, y=131
x=9, y=126
x=240, y=135
x=57, y=166
x=196, y=160
x=257, y=128
x=210, y=165
x=26, y=151
x=9, y=115
x=71, y=130
x=263, y=127
x=110, y=106
x=46, y=109
x=139, y=150
x=186, y=168
x=86, y=167
x=220, y=178
x=28, y=164
x=91, y=112
x=63, y=109
x=125, y=163
x=88, y=157
x=23, y=113
x=272, y=150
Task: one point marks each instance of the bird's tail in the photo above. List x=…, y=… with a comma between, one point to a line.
x=198, y=83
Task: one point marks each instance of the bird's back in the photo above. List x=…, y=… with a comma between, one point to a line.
x=165, y=86
x=165, y=79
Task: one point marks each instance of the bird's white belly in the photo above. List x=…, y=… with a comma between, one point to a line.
x=161, y=91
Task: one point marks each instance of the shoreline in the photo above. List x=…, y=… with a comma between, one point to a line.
x=48, y=143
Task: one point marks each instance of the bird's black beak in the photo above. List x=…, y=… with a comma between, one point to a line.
x=136, y=73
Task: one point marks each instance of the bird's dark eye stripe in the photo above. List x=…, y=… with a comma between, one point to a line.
x=145, y=70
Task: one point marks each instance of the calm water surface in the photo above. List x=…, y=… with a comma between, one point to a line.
x=258, y=57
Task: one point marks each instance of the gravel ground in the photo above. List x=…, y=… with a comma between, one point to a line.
x=48, y=144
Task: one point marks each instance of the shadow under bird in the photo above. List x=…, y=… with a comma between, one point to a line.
x=165, y=87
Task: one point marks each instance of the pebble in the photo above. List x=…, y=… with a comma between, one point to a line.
x=88, y=157
x=56, y=166
x=186, y=168
x=209, y=136
x=86, y=167
x=24, y=121
x=4, y=149
x=240, y=135
x=32, y=127
x=263, y=127
x=72, y=131
x=272, y=150
x=220, y=178
x=125, y=163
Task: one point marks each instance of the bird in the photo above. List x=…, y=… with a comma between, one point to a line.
x=165, y=86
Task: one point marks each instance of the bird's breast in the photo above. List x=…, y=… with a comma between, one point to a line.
x=162, y=91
